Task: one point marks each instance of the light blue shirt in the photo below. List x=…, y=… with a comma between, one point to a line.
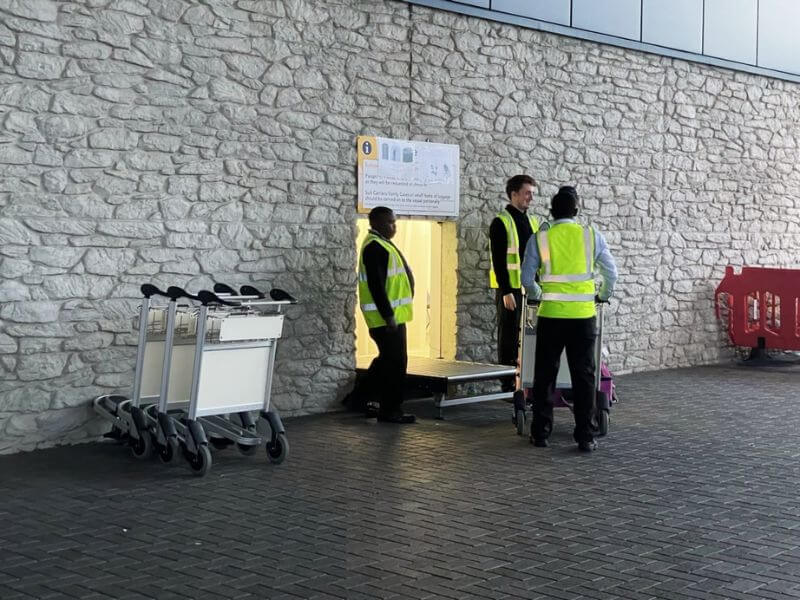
x=604, y=263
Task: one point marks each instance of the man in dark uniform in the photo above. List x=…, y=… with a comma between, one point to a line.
x=386, y=293
x=509, y=233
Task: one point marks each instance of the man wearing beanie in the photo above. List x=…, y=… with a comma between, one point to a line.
x=566, y=255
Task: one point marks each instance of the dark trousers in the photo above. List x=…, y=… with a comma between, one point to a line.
x=386, y=375
x=578, y=337
x=508, y=334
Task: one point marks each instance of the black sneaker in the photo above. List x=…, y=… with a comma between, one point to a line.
x=540, y=442
x=587, y=446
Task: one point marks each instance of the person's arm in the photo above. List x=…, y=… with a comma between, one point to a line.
x=409, y=272
x=376, y=264
x=530, y=265
x=606, y=266
x=498, y=241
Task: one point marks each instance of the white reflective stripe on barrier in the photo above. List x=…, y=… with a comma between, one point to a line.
x=568, y=297
x=393, y=304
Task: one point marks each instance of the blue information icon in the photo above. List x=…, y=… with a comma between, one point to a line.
x=366, y=147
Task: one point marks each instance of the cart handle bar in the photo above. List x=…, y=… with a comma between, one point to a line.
x=221, y=288
x=248, y=291
x=148, y=290
x=206, y=297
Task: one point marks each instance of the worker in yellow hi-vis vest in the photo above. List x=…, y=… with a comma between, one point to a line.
x=566, y=255
x=385, y=293
x=509, y=233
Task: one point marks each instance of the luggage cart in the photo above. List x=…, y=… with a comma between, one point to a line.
x=127, y=415
x=605, y=391
x=235, y=341
x=172, y=336
x=175, y=397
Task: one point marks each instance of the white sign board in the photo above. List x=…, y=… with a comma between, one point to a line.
x=411, y=178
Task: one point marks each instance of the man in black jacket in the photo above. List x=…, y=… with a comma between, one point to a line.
x=509, y=233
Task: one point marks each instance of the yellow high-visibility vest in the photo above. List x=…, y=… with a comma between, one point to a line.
x=398, y=287
x=566, y=271
x=513, y=259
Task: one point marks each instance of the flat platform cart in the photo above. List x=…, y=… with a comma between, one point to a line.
x=443, y=378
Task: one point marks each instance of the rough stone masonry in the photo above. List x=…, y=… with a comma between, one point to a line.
x=180, y=143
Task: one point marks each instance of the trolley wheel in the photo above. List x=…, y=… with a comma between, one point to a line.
x=519, y=421
x=168, y=452
x=200, y=463
x=279, y=449
x=247, y=449
x=116, y=434
x=142, y=448
x=220, y=443
x=603, y=421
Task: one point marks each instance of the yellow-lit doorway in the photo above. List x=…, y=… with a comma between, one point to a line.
x=430, y=249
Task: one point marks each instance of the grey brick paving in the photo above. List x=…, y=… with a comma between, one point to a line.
x=694, y=496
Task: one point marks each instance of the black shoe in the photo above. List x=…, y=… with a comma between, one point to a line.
x=587, y=446
x=540, y=442
x=371, y=410
x=399, y=418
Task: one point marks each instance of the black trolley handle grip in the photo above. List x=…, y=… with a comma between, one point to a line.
x=149, y=290
x=207, y=298
x=221, y=288
x=176, y=293
x=249, y=290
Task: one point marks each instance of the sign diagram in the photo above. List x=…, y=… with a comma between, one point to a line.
x=411, y=178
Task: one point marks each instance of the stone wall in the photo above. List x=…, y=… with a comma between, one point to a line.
x=183, y=143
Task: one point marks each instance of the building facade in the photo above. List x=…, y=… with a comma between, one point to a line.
x=178, y=143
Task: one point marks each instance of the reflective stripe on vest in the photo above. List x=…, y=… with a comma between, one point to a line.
x=547, y=268
x=566, y=271
x=393, y=304
x=513, y=259
x=398, y=286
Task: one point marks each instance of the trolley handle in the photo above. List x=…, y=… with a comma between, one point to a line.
x=206, y=297
x=221, y=288
x=276, y=294
x=280, y=295
x=149, y=290
x=249, y=290
x=176, y=293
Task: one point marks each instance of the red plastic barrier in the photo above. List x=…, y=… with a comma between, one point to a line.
x=761, y=306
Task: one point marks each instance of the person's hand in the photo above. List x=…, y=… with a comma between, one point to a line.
x=509, y=302
x=391, y=324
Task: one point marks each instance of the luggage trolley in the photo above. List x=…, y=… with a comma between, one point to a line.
x=605, y=393
x=232, y=370
x=127, y=415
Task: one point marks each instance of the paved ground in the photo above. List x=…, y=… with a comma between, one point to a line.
x=694, y=495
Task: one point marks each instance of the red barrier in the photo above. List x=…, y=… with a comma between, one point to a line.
x=761, y=306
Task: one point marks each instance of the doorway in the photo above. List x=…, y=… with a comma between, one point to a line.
x=430, y=249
